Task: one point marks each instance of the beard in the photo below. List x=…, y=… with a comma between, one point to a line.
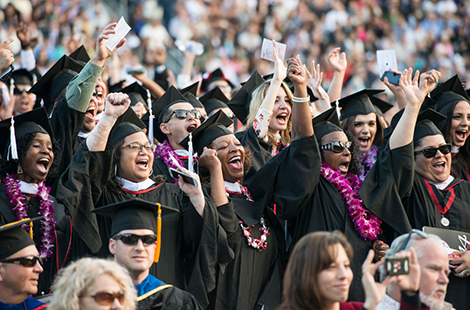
x=431, y=302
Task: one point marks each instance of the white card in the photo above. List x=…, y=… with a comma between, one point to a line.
x=267, y=50
x=122, y=28
x=387, y=61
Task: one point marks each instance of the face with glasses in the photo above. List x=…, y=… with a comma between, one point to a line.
x=433, y=158
x=182, y=120
x=335, y=152
x=18, y=276
x=136, y=160
x=134, y=249
x=24, y=101
x=104, y=293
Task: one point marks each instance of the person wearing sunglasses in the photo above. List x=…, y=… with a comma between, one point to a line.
x=411, y=185
x=434, y=264
x=19, y=267
x=174, y=119
x=135, y=246
x=24, y=101
x=93, y=284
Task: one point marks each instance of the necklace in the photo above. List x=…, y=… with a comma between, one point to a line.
x=46, y=209
x=365, y=223
x=166, y=153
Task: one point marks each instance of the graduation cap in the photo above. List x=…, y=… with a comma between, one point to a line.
x=159, y=107
x=427, y=124
x=22, y=77
x=114, y=88
x=214, y=127
x=80, y=55
x=358, y=103
x=136, y=214
x=126, y=124
x=448, y=94
x=56, y=79
x=33, y=121
x=190, y=89
x=326, y=123
x=136, y=93
x=216, y=75
x=190, y=93
x=14, y=238
x=214, y=99
x=381, y=106
x=240, y=102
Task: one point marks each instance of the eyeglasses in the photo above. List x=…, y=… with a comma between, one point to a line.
x=107, y=299
x=19, y=91
x=131, y=239
x=420, y=233
x=336, y=146
x=183, y=114
x=26, y=261
x=137, y=147
x=431, y=152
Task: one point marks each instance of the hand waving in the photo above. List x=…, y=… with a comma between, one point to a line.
x=414, y=94
x=314, y=81
x=338, y=61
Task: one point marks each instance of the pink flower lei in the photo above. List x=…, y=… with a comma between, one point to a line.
x=165, y=152
x=367, y=160
x=46, y=209
x=365, y=223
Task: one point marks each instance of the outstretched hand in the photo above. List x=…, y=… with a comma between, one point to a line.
x=102, y=52
x=279, y=66
x=314, y=81
x=116, y=104
x=337, y=61
x=429, y=80
x=6, y=56
x=414, y=94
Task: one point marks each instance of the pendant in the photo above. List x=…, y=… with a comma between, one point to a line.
x=445, y=221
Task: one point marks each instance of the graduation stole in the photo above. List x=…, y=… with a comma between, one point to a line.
x=446, y=201
x=165, y=152
x=366, y=224
x=46, y=209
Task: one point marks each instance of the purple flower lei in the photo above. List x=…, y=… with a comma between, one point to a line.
x=368, y=160
x=365, y=223
x=165, y=152
x=46, y=209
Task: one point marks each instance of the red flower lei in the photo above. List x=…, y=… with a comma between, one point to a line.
x=366, y=224
x=46, y=209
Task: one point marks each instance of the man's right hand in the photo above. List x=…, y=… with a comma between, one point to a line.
x=6, y=56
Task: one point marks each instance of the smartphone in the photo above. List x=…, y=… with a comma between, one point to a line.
x=174, y=173
x=392, y=77
x=395, y=266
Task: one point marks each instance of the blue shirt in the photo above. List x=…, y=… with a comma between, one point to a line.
x=30, y=303
x=150, y=283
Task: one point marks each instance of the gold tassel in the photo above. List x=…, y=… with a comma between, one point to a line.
x=158, y=243
x=31, y=229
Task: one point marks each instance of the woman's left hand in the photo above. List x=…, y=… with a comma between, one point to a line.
x=296, y=71
x=194, y=192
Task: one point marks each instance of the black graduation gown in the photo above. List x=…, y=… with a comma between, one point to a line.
x=159, y=168
x=63, y=249
x=261, y=152
x=84, y=186
x=311, y=203
x=401, y=198
x=457, y=170
x=167, y=297
x=253, y=278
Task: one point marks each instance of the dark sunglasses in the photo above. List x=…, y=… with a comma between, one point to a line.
x=431, y=152
x=336, y=146
x=107, y=299
x=131, y=239
x=19, y=91
x=420, y=233
x=27, y=261
x=183, y=114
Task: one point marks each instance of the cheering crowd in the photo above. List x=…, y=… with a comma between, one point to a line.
x=125, y=186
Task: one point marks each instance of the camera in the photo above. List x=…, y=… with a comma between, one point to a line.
x=395, y=266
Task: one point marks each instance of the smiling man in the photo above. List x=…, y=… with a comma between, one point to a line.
x=19, y=268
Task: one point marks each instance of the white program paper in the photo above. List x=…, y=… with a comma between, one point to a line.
x=267, y=50
x=387, y=61
x=122, y=28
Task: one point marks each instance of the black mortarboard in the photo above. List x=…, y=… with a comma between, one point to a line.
x=358, y=103
x=159, y=107
x=190, y=89
x=80, y=55
x=190, y=93
x=30, y=122
x=126, y=124
x=22, y=77
x=214, y=127
x=427, y=124
x=56, y=79
x=14, y=238
x=114, y=88
x=240, y=102
x=215, y=75
x=136, y=93
x=214, y=99
x=326, y=123
x=381, y=106
x=133, y=214
x=448, y=94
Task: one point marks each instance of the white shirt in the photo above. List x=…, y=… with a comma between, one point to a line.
x=133, y=186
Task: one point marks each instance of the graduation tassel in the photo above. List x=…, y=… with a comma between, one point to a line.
x=6, y=95
x=190, y=151
x=31, y=229
x=337, y=109
x=13, y=148
x=12, y=86
x=159, y=234
x=151, y=117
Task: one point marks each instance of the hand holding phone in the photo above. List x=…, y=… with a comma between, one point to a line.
x=393, y=78
x=395, y=266
x=174, y=173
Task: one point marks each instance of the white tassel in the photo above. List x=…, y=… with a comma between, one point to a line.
x=338, y=111
x=6, y=95
x=151, y=117
x=12, y=86
x=190, y=151
x=14, y=149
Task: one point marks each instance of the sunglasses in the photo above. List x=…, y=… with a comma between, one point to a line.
x=183, y=114
x=420, y=233
x=131, y=239
x=19, y=91
x=107, y=299
x=431, y=152
x=336, y=146
x=27, y=261
x=136, y=147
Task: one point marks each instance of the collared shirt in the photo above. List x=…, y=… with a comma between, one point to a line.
x=29, y=304
x=388, y=303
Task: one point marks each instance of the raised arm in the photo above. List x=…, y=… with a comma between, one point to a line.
x=339, y=64
x=6, y=59
x=210, y=160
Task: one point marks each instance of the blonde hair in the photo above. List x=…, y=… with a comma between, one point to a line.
x=256, y=100
x=75, y=279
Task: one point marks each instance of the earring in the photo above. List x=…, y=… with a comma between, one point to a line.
x=19, y=169
x=151, y=172
x=115, y=170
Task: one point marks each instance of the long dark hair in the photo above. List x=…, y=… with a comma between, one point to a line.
x=312, y=254
x=23, y=144
x=348, y=125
